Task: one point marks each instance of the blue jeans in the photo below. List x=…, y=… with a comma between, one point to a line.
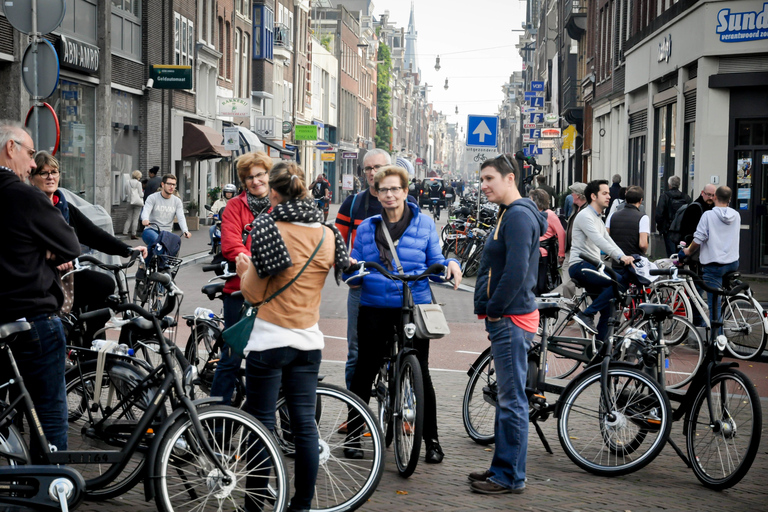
x=509, y=346
x=713, y=273
x=297, y=371
x=224, y=379
x=599, y=286
x=353, y=308
x=41, y=357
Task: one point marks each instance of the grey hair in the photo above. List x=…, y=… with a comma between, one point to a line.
x=375, y=152
x=674, y=182
x=617, y=178
x=10, y=130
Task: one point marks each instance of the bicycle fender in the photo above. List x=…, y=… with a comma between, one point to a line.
x=473, y=367
x=149, y=482
x=588, y=370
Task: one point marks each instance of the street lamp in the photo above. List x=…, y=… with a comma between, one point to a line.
x=437, y=63
x=457, y=109
x=446, y=84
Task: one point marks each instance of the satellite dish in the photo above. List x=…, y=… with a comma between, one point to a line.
x=46, y=62
x=47, y=135
x=50, y=14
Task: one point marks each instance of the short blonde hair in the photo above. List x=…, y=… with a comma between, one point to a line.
x=43, y=158
x=136, y=175
x=248, y=160
x=391, y=170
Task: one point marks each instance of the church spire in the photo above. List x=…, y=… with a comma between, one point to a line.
x=411, y=57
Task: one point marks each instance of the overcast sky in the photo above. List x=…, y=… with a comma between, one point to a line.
x=482, y=31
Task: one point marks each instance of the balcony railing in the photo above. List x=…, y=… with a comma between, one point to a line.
x=571, y=94
x=575, y=13
x=283, y=36
x=575, y=6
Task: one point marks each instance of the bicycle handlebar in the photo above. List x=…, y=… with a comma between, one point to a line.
x=436, y=269
x=674, y=272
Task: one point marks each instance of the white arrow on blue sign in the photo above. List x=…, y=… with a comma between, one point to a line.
x=482, y=131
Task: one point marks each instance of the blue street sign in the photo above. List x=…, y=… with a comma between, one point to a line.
x=535, y=134
x=537, y=86
x=535, y=118
x=532, y=150
x=536, y=101
x=482, y=131
x=529, y=95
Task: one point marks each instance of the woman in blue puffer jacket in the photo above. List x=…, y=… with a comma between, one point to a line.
x=418, y=246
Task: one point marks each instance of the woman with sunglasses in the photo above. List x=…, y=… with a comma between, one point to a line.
x=252, y=169
x=91, y=288
x=417, y=244
x=505, y=300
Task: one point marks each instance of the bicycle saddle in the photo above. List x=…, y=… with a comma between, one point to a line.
x=655, y=311
x=730, y=277
x=143, y=324
x=213, y=289
x=549, y=309
x=9, y=329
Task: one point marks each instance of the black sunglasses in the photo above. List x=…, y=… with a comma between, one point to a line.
x=504, y=156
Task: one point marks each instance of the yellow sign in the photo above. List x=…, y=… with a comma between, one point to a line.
x=328, y=157
x=569, y=138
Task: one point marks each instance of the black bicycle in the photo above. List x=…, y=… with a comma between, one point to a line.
x=202, y=456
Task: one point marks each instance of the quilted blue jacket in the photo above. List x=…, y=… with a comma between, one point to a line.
x=418, y=248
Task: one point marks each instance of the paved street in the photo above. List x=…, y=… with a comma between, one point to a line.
x=555, y=483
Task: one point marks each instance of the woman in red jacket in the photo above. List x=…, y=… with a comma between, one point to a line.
x=253, y=171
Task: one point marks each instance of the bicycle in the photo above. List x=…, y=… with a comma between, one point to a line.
x=398, y=386
x=198, y=457
x=435, y=207
x=745, y=322
x=342, y=485
x=152, y=294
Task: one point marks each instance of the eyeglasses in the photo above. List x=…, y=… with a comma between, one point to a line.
x=258, y=175
x=385, y=191
x=170, y=184
x=506, y=160
x=372, y=168
x=30, y=150
x=45, y=174
x=708, y=194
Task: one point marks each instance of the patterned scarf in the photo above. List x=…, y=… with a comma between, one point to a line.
x=257, y=205
x=268, y=251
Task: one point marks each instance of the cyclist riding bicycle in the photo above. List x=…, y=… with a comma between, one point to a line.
x=321, y=191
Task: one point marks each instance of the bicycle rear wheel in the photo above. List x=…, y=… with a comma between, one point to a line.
x=478, y=410
x=621, y=440
x=686, y=352
x=722, y=451
x=409, y=416
x=342, y=484
x=187, y=479
x=566, y=334
x=744, y=328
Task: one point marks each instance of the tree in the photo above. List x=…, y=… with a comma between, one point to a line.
x=383, y=97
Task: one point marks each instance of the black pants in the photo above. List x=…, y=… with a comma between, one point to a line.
x=91, y=291
x=375, y=331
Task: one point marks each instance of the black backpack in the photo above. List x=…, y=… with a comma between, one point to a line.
x=675, y=205
x=677, y=222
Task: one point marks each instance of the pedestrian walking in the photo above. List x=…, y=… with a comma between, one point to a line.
x=135, y=197
x=542, y=185
x=505, y=300
x=153, y=183
x=37, y=240
x=669, y=202
x=615, y=190
x=717, y=239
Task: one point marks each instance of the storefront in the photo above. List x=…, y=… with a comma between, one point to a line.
x=698, y=109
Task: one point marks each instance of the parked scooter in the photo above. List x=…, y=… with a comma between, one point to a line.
x=216, y=235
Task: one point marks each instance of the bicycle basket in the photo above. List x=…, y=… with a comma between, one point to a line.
x=167, y=263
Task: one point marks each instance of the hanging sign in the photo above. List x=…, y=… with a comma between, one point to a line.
x=234, y=107
x=307, y=132
x=328, y=157
x=550, y=133
x=168, y=76
x=80, y=56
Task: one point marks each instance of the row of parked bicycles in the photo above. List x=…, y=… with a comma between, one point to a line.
x=463, y=236
x=615, y=401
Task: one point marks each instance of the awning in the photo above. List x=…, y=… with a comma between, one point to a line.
x=249, y=142
x=284, y=153
x=202, y=143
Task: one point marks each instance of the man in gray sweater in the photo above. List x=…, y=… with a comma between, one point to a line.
x=160, y=208
x=589, y=238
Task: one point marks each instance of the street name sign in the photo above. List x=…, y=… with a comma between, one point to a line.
x=482, y=131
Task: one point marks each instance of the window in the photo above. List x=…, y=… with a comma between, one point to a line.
x=80, y=20
x=333, y=91
x=244, y=73
x=238, y=93
x=126, y=27
x=221, y=47
x=207, y=9
x=225, y=50
x=243, y=8
x=184, y=41
x=664, y=140
x=263, y=32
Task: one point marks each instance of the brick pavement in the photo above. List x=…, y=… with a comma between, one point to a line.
x=555, y=483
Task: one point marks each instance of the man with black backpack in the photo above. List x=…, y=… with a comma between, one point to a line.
x=669, y=202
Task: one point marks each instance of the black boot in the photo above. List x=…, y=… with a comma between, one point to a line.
x=434, y=453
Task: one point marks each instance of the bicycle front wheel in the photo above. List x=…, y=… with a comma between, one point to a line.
x=409, y=416
x=478, y=410
x=622, y=439
x=188, y=479
x=686, y=351
x=744, y=328
x=722, y=449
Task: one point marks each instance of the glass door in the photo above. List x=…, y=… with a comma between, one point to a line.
x=760, y=169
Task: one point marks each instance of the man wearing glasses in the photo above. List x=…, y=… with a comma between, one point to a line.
x=31, y=291
x=160, y=208
x=353, y=211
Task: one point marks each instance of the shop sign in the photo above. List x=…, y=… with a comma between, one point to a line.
x=287, y=126
x=169, y=76
x=665, y=49
x=307, y=132
x=550, y=133
x=328, y=157
x=234, y=107
x=419, y=161
x=77, y=55
x=569, y=138
x=348, y=155
x=529, y=126
x=738, y=27
x=546, y=144
x=551, y=118
x=231, y=138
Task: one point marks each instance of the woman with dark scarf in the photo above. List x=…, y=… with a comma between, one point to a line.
x=417, y=245
x=252, y=169
x=292, y=252
x=91, y=288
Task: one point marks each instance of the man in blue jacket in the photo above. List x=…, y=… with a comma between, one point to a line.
x=504, y=298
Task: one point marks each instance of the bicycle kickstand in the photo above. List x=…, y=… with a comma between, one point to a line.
x=542, y=437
